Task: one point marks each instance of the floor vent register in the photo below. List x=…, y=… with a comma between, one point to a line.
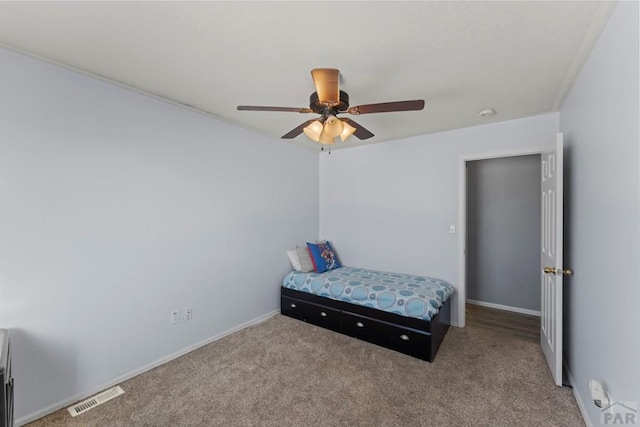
x=94, y=401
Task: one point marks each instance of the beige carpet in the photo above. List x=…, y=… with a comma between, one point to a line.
x=284, y=372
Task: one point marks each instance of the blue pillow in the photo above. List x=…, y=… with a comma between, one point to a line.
x=323, y=256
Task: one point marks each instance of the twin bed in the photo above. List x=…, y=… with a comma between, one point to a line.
x=410, y=314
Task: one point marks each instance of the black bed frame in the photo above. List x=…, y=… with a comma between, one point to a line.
x=415, y=337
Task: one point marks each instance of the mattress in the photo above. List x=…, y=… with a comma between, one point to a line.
x=403, y=294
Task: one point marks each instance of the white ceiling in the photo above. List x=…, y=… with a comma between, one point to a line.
x=517, y=57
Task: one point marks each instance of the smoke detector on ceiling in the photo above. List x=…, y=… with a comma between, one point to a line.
x=486, y=113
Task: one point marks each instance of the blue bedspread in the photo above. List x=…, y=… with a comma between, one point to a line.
x=410, y=296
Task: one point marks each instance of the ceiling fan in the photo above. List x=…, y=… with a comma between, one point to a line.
x=329, y=101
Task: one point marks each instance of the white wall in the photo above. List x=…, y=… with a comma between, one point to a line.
x=388, y=206
x=117, y=208
x=602, y=209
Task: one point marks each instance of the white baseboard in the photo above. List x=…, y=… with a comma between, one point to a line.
x=81, y=396
x=505, y=307
x=576, y=395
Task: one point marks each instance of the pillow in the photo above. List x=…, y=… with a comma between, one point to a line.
x=295, y=260
x=305, y=259
x=323, y=256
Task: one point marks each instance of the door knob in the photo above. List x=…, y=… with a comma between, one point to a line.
x=553, y=270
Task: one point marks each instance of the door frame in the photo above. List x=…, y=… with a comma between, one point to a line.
x=462, y=215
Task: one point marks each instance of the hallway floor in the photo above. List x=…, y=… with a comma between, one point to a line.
x=519, y=325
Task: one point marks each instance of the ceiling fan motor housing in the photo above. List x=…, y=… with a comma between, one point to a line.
x=321, y=108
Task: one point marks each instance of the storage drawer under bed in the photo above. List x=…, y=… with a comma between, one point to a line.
x=405, y=340
x=311, y=313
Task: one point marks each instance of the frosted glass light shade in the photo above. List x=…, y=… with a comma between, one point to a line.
x=347, y=131
x=325, y=138
x=314, y=130
x=333, y=126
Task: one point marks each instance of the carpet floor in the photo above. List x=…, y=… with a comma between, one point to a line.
x=284, y=372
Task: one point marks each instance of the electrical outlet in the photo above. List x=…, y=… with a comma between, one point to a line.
x=188, y=314
x=175, y=316
x=598, y=394
x=452, y=228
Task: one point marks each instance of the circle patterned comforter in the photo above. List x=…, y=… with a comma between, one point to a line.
x=403, y=294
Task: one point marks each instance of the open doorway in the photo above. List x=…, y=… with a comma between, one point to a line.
x=500, y=239
x=551, y=267
x=503, y=227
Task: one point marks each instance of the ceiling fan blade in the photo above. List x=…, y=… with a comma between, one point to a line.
x=361, y=132
x=326, y=81
x=297, y=131
x=386, y=107
x=283, y=109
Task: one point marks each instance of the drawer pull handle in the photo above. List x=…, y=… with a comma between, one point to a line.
x=360, y=325
x=323, y=314
x=293, y=306
x=404, y=337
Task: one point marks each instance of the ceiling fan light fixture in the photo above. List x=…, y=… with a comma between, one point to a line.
x=333, y=126
x=314, y=130
x=347, y=131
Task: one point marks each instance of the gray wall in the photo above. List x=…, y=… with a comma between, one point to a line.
x=117, y=208
x=503, y=231
x=602, y=215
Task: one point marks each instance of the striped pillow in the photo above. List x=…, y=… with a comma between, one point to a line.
x=305, y=259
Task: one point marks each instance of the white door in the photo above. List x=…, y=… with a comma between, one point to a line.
x=551, y=260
